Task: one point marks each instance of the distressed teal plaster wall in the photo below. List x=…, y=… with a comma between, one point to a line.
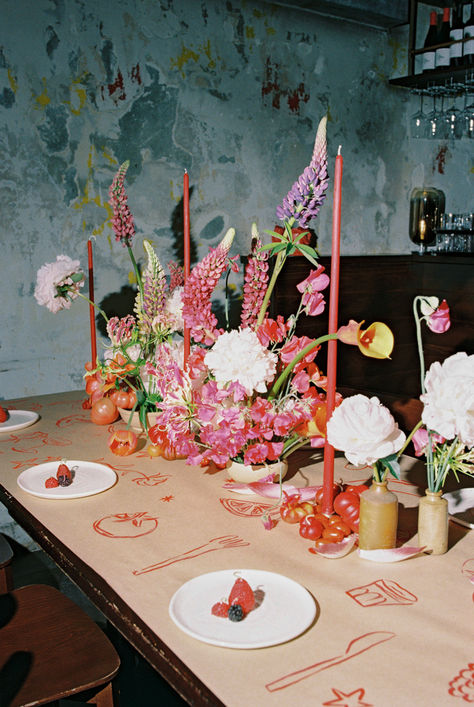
x=232, y=91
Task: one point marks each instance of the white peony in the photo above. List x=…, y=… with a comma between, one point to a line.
x=52, y=276
x=364, y=430
x=449, y=398
x=238, y=356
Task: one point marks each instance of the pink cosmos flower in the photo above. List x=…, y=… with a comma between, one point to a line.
x=312, y=299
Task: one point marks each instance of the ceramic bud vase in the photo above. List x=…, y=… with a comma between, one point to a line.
x=378, y=518
x=246, y=474
x=433, y=522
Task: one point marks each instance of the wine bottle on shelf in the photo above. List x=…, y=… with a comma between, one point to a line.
x=456, y=34
x=468, y=49
x=442, y=54
x=428, y=57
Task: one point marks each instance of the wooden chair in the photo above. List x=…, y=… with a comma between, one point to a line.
x=49, y=648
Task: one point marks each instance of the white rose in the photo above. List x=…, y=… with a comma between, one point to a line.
x=238, y=356
x=449, y=398
x=364, y=430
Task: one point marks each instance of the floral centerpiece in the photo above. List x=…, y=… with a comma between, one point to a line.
x=253, y=394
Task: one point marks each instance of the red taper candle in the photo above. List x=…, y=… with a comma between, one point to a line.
x=91, y=306
x=328, y=473
x=187, y=256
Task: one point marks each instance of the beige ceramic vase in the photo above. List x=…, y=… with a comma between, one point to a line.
x=246, y=474
x=433, y=522
x=378, y=518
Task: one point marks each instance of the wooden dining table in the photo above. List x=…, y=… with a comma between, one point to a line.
x=378, y=633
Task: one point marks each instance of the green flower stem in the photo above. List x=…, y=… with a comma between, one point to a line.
x=286, y=371
x=137, y=272
x=101, y=311
x=410, y=437
x=430, y=472
x=292, y=444
x=280, y=261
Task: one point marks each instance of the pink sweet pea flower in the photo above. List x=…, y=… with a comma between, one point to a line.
x=439, y=320
x=420, y=441
x=272, y=330
x=312, y=299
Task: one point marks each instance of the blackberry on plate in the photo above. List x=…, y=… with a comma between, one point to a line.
x=235, y=613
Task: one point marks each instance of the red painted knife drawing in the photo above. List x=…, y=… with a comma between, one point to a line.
x=355, y=647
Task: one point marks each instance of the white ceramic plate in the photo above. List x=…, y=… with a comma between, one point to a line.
x=461, y=506
x=18, y=419
x=89, y=478
x=287, y=609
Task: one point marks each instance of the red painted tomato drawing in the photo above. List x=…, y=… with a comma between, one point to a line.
x=126, y=525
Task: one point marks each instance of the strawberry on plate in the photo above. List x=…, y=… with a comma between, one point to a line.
x=3, y=414
x=242, y=594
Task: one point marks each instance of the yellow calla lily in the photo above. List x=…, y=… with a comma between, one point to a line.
x=376, y=341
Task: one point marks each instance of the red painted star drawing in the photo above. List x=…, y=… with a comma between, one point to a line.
x=349, y=699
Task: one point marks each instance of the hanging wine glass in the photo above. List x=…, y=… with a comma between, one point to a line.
x=432, y=120
x=418, y=122
x=453, y=122
x=440, y=129
x=469, y=121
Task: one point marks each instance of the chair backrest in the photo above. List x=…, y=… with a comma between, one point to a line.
x=6, y=556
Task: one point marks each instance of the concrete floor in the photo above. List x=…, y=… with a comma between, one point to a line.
x=137, y=684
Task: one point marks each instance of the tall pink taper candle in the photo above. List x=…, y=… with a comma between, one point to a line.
x=91, y=306
x=328, y=473
x=187, y=256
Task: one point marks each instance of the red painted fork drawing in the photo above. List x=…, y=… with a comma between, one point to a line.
x=221, y=543
x=355, y=647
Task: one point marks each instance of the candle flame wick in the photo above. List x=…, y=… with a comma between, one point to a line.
x=339, y=150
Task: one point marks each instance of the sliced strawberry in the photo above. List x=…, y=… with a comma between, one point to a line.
x=3, y=414
x=221, y=609
x=242, y=593
x=51, y=483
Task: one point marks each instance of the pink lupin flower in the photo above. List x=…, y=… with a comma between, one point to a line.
x=122, y=221
x=255, y=281
x=176, y=276
x=198, y=288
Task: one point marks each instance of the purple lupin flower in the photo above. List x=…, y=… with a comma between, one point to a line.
x=307, y=195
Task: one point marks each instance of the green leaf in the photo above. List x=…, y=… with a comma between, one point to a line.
x=391, y=463
x=280, y=236
x=268, y=246
x=77, y=276
x=308, y=253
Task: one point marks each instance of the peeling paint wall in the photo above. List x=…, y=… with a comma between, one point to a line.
x=230, y=90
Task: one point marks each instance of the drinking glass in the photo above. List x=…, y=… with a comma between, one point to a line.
x=453, y=122
x=418, y=122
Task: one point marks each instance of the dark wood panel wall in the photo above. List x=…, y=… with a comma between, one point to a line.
x=382, y=288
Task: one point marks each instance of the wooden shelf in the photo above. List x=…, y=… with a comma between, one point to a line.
x=435, y=78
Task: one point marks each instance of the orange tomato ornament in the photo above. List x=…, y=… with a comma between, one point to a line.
x=122, y=442
x=104, y=412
